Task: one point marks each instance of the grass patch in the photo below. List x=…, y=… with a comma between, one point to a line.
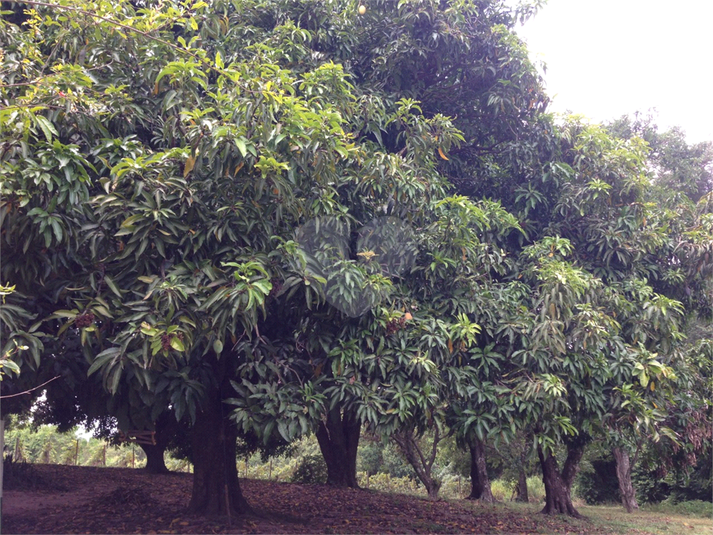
x=616, y=519
x=697, y=508
x=613, y=519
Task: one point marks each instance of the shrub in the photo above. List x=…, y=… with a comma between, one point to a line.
x=501, y=489
x=535, y=489
x=370, y=457
x=387, y=483
x=311, y=469
x=698, y=508
x=454, y=486
x=597, y=483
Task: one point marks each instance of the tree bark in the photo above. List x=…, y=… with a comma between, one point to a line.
x=216, y=490
x=575, y=451
x=165, y=429
x=154, y=458
x=558, y=499
x=521, y=494
x=421, y=464
x=338, y=440
x=623, y=474
x=479, y=481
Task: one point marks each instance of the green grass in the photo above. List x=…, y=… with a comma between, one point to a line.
x=615, y=520
x=697, y=508
x=647, y=521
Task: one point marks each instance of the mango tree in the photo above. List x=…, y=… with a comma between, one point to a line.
x=155, y=189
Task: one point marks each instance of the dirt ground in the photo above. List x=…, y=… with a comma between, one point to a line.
x=70, y=499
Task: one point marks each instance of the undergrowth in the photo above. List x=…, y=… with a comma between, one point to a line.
x=697, y=508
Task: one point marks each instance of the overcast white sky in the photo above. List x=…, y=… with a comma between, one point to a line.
x=606, y=58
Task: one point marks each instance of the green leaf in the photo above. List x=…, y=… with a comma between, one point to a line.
x=57, y=229
x=47, y=127
x=242, y=146
x=103, y=358
x=111, y=285
x=177, y=344
x=148, y=330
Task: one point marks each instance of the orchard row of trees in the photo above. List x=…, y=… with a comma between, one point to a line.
x=275, y=218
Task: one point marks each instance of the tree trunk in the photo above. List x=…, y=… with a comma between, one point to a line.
x=419, y=462
x=165, y=429
x=623, y=474
x=521, y=488
x=338, y=440
x=154, y=458
x=575, y=451
x=479, y=481
x=558, y=499
x=432, y=488
x=216, y=490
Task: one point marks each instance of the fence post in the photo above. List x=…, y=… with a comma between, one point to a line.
x=76, y=453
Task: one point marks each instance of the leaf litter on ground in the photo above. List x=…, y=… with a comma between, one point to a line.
x=123, y=500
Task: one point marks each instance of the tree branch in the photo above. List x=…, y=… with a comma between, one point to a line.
x=30, y=390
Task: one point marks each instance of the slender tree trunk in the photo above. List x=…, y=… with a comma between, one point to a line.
x=558, y=499
x=421, y=463
x=623, y=474
x=575, y=451
x=521, y=491
x=479, y=481
x=338, y=440
x=154, y=458
x=216, y=490
x=521, y=488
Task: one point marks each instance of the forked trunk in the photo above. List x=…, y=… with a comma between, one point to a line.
x=558, y=498
x=216, y=490
x=480, y=483
x=154, y=458
x=521, y=488
x=432, y=487
x=419, y=461
x=623, y=474
x=338, y=440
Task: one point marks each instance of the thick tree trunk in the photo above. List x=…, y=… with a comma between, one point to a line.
x=165, y=429
x=623, y=474
x=432, y=487
x=216, y=490
x=479, y=481
x=521, y=494
x=558, y=499
x=154, y=458
x=338, y=440
x=421, y=464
